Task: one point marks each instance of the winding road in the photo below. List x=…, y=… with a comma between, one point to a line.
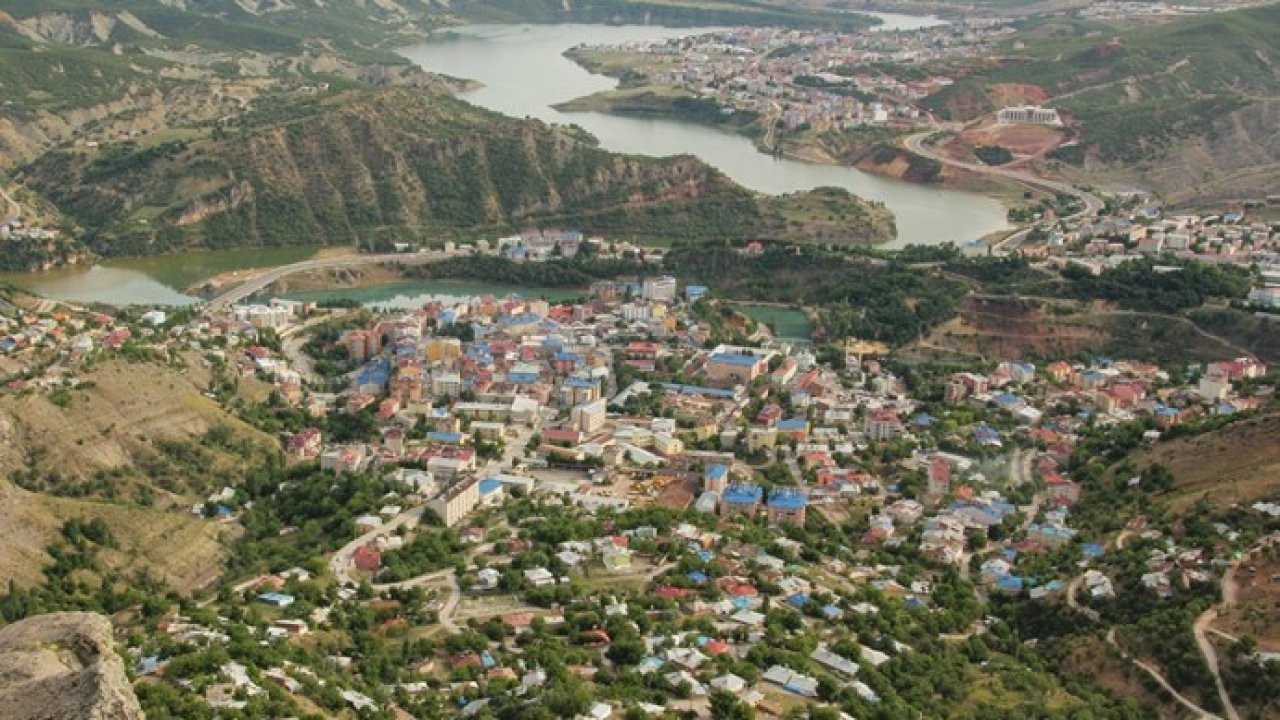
x=1092, y=203
x=1202, y=626
x=1155, y=675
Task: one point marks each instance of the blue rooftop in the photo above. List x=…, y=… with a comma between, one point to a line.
x=450, y=438
x=984, y=434
x=788, y=498
x=734, y=359
x=793, y=424
x=743, y=494
x=798, y=600
x=1009, y=582
x=489, y=485
x=522, y=319
x=716, y=471
x=697, y=577
x=574, y=382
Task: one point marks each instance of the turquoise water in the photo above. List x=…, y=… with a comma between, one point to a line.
x=785, y=323
x=159, y=280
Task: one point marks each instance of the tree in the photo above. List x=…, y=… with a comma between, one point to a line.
x=724, y=706
x=627, y=650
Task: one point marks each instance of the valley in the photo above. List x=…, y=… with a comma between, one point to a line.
x=527, y=359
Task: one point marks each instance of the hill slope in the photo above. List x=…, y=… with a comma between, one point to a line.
x=138, y=435
x=372, y=167
x=1187, y=106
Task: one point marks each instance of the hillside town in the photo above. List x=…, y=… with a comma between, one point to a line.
x=809, y=79
x=612, y=476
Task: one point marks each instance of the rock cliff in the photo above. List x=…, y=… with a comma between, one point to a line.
x=62, y=665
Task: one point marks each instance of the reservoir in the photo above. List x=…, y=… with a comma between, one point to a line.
x=524, y=74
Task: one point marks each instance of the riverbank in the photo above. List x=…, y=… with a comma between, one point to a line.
x=873, y=150
x=525, y=73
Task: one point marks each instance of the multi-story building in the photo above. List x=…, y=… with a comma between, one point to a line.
x=589, y=417
x=456, y=502
x=741, y=498
x=357, y=344
x=882, y=425
x=787, y=505
x=659, y=288
x=939, y=478
x=446, y=384
x=735, y=368
x=715, y=478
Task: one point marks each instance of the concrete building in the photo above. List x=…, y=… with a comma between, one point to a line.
x=262, y=316
x=715, y=478
x=456, y=502
x=882, y=425
x=787, y=505
x=589, y=417
x=742, y=498
x=1029, y=115
x=659, y=288
x=939, y=478
x=358, y=344
x=735, y=368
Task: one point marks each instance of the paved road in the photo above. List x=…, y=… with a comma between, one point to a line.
x=265, y=278
x=292, y=339
x=1092, y=203
x=340, y=564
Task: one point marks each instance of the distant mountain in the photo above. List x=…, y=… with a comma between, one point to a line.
x=1188, y=107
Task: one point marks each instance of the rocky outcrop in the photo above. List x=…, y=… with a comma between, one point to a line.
x=62, y=665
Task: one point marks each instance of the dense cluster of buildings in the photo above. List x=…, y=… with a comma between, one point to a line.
x=1145, y=230
x=813, y=79
x=624, y=403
